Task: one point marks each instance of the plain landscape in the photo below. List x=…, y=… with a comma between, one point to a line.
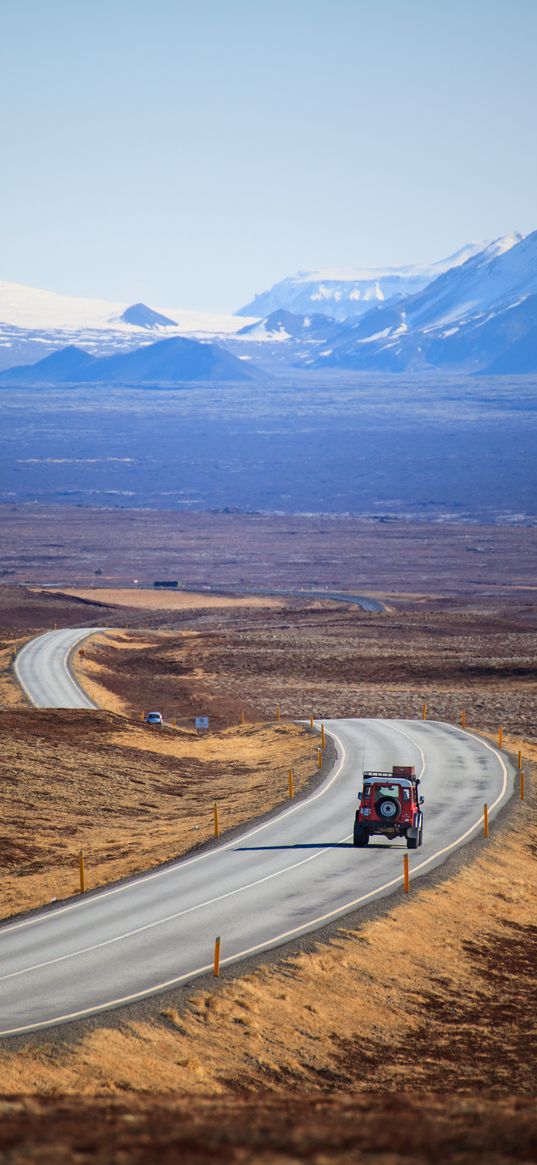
x=268, y=583
x=420, y=1006
x=424, y=447
x=271, y=510
x=319, y=507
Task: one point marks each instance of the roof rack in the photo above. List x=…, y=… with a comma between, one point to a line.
x=377, y=773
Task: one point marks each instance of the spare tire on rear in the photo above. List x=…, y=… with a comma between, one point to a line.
x=388, y=808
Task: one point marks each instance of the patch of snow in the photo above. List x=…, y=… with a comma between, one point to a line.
x=403, y=327
x=373, y=293
x=261, y=332
x=377, y=336
x=322, y=293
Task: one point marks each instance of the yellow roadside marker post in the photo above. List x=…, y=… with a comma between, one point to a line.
x=521, y=784
x=82, y=872
x=463, y=719
x=242, y=717
x=215, y=814
x=291, y=784
x=519, y=760
x=500, y=738
x=485, y=820
x=311, y=721
x=323, y=737
x=319, y=758
x=406, y=874
x=216, y=965
x=424, y=712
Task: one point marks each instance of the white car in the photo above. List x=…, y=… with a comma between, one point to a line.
x=154, y=719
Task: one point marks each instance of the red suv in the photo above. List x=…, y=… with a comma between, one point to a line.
x=391, y=806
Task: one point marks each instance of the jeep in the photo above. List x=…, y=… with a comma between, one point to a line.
x=390, y=805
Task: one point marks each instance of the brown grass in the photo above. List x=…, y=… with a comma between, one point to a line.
x=10, y=693
x=256, y=550
x=434, y=995
x=129, y=796
x=315, y=1057
x=90, y=673
x=333, y=1129
x=148, y=600
x=331, y=663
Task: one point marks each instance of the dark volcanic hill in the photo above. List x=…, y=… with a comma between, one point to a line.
x=174, y=361
x=70, y=363
x=143, y=316
x=288, y=325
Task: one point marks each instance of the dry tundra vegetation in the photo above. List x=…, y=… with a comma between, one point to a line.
x=419, y=1019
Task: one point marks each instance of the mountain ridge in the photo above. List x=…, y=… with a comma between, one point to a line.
x=346, y=292
x=176, y=360
x=466, y=318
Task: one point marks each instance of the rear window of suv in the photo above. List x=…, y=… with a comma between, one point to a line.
x=392, y=791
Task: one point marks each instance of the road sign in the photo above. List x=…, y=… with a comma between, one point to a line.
x=202, y=723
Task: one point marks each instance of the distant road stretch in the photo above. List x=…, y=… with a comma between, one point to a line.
x=43, y=671
x=362, y=601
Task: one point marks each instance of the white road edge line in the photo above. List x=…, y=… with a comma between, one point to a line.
x=180, y=863
x=171, y=917
x=280, y=938
x=71, y=674
x=200, y=905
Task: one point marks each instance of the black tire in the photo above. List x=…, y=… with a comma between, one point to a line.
x=361, y=836
x=420, y=838
x=412, y=842
x=388, y=808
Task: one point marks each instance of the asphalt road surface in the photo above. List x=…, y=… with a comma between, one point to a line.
x=267, y=886
x=363, y=601
x=43, y=671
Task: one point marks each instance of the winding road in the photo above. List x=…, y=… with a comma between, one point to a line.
x=273, y=883
x=43, y=671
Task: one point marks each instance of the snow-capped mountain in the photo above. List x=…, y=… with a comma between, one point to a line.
x=502, y=271
x=466, y=318
x=349, y=291
x=478, y=314
x=31, y=308
x=34, y=323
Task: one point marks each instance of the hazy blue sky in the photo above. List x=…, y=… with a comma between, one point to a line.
x=191, y=152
